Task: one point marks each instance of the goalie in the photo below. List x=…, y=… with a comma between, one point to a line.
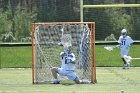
x=67, y=66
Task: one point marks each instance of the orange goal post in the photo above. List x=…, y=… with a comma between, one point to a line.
x=46, y=48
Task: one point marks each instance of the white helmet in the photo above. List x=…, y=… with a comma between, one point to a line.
x=124, y=32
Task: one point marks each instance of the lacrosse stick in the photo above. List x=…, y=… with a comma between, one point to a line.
x=111, y=48
x=62, y=33
x=129, y=58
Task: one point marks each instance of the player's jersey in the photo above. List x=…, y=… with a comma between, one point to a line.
x=125, y=42
x=68, y=66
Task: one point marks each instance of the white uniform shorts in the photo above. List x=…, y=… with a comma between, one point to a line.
x=71, y=75
x=124, y=52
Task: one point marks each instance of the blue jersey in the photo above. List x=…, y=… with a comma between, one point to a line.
x=68, y=65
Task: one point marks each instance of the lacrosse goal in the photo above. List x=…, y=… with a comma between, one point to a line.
x=46, y=48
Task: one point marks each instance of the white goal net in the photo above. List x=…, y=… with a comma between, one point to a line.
x=47, y=41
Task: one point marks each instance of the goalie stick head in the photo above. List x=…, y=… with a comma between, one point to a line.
x=109, y=48
x=66, y=41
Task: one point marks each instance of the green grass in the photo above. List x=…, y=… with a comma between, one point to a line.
x=22, y=56
x=112, y=58
x=15, y=56
x=109, y=80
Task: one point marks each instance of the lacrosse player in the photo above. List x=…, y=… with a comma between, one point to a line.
x=125, y=42
x=67, y=66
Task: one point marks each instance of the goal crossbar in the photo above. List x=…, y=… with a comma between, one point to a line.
x=112, y=6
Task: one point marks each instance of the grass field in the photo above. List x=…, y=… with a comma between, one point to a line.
x=16, y=56
x=109, y=80
x=22, y=56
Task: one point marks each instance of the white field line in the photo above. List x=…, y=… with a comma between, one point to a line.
x=70, y=91
x=121, y=73
x=8, y=91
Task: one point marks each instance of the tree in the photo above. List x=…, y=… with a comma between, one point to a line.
x=17, y=20
x=5, y=23
x=23, y=20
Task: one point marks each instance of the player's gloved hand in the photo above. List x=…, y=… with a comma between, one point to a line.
x=118, y=46
x=69, y=61
x=130, y=45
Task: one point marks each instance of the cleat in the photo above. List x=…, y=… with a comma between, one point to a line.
x=56, y=82
x=85, y=81
x=124, y=66
x=128, y=66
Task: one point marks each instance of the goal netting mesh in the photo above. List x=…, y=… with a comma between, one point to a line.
x=47, y=41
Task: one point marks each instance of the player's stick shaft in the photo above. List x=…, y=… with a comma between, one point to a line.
x=135, y=58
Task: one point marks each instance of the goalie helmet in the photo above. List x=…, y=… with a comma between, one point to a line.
x=124, y=32
x=67, y=48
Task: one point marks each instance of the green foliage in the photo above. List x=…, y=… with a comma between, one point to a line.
x=113, y=20
x=136, y=27
x=8, y=37
x=120, y=20
x=16, y=16
x=22, y=22
x=110, y=38
x=5, y=23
